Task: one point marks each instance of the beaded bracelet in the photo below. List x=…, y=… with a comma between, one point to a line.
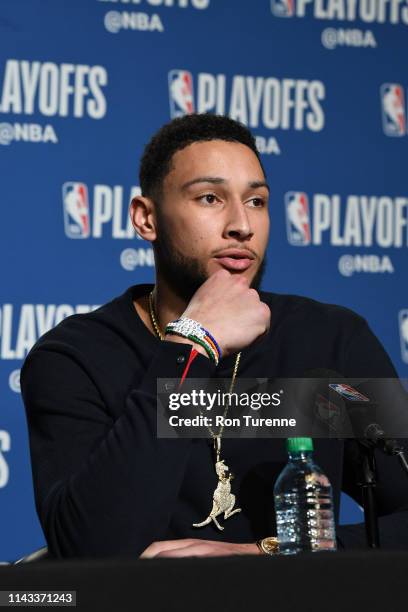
x=188, y=328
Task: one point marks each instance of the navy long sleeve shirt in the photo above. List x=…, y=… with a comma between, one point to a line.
x=105, y=484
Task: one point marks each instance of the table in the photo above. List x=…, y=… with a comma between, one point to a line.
x=342, y=581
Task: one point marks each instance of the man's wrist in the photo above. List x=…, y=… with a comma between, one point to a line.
x=194, y=331
x=268, y=546
x=181, y=340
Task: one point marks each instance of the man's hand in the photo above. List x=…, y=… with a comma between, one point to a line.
x=230, y=310
x=197, y=548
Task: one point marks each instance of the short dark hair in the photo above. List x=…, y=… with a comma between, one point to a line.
x=178, y=134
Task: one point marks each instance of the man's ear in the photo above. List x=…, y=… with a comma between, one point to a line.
x=143, y=217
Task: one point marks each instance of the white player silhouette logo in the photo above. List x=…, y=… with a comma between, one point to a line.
x=181, y=93
x=298, y=223
x=282, y=8
x=76, y=210
x=403, y=316
x=393, y=110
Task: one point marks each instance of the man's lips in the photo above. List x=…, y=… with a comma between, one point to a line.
x=235, y=259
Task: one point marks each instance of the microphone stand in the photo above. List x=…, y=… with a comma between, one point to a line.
x=367, y=475
x=375, y=434
x=402, y=459
x=367, y=480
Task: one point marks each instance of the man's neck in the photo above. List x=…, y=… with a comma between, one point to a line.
x=167, y=306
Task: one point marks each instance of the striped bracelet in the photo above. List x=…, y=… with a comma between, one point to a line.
x=188, y=328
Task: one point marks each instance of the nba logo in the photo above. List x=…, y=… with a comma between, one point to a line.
x=297, y=218
x=403, y=325
x=76, y=210
x=181, y=93
x=393, y=109
x=349, y=393
x=283, y=8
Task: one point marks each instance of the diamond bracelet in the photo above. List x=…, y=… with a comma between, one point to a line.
x=188, y=328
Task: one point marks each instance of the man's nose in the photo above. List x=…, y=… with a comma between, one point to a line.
x=237, y=223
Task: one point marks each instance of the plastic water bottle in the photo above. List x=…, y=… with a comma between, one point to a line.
x=303, y=503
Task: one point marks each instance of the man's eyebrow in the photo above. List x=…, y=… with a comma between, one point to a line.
x=217, y=180
x=256, y=184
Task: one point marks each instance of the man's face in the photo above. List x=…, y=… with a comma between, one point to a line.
x=213, y=214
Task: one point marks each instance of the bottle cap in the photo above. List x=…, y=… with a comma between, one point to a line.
x=297, y=445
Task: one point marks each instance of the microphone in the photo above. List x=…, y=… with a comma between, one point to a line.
x=372, y=407
x=375, y=409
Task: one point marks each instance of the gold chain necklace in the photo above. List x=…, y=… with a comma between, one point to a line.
x=223, y=499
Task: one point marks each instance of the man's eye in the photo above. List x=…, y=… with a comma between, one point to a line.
x=257, y=202
x=208, y=198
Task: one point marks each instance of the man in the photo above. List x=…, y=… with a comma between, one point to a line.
x=104, y=483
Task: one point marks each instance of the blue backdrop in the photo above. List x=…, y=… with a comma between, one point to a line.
x=83, y=85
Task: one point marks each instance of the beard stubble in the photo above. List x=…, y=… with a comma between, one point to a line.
x=185, y=275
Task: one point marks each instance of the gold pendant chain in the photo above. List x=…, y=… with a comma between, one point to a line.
x=153, y=317
x=223, y=498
